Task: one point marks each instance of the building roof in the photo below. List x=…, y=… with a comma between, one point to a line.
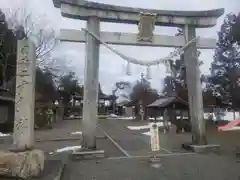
x=165, y=101
x=101, y=96
x=147, y=100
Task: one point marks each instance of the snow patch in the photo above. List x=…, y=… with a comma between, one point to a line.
x=126, y=118
x=76, y=133
x=159, y=124
x=237, y=128
x=138, y=127
x=68, y=148
x=113, y=115
x=4, y=135
x=158, y=118
x=121, y=118
x=147, y=133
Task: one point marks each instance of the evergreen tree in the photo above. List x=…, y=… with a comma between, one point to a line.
x=176, y=78
x=70, y=86
x=226, y=62
x=175, y=82
x=142, y=95
x=45, y=85
x=236, y=30
x=8, y=50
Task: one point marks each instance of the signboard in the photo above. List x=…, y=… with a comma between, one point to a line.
x=146, y=27
x=154, y=137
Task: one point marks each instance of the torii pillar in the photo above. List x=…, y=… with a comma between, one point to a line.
x=194, y=87
x=90, y=99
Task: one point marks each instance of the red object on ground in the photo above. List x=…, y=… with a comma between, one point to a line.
x=230, y=125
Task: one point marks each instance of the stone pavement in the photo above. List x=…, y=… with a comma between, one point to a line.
x=61, y=130
x=229, y=141
x=181, y=167
x=172, y=166
x=136, y=143
x=60, y=136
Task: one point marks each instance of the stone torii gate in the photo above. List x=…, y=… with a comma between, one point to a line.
x=93, y=13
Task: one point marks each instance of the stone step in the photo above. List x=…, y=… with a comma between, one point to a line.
x=201, y=148
x=87, y=154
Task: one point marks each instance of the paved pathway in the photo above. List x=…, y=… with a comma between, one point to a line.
x=135, y=142
x=118, y=167
x=181, y=167
x=50, y=140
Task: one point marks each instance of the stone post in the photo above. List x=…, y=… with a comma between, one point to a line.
x=90, y=100
x=25, y=96
x=194, y=89
x=23, y=160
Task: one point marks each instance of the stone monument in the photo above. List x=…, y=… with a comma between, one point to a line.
x=23, y=160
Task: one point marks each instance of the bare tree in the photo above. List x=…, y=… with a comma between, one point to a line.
x=39, y=30
x=36, y=28
x=46, y=42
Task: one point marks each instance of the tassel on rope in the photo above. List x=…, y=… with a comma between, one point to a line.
x=148, y=73
x=128, y=70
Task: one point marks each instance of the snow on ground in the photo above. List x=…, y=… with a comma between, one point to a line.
x=227, y=116
x=4, y=135
x=113, y=115
x=126, y=118
x=236, y=128
x=76, y=133
x=138, y=127
x=121, y=118
x=159, y=124
x=158, y=118
x=68, y=148
x=147, y=133
x=161, y=118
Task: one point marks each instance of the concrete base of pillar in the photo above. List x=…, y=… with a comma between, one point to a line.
x=201, y=148
x=22, y=164
x=87, y=154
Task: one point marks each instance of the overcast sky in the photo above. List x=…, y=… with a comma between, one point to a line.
x=112, y=67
